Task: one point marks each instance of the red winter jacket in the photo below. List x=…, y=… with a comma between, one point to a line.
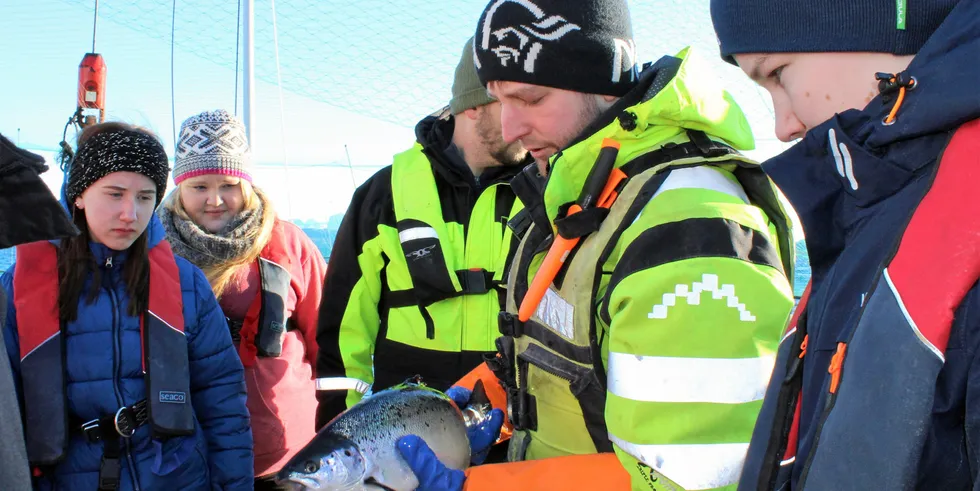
x=281, y=390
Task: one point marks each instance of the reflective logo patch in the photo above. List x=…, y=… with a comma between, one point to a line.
x=692, y=295
x=173, y=397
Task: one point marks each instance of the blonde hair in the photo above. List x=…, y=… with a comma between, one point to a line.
x=221, y=274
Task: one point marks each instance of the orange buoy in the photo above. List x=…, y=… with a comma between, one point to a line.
x=91, y=82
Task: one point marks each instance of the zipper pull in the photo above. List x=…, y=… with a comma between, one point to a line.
x=836, y=365
x=108, y=262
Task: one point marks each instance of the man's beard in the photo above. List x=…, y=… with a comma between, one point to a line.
x=508, y=155
x=502, y=153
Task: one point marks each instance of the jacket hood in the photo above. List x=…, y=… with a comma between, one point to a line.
x=844, y=166
x=676, y=94
x=946, y=70
x=435, y=135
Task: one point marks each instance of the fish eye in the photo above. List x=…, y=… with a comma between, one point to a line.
x=311, y=467
x=347, y=453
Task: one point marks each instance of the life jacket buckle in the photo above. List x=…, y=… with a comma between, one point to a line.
x=521, y=409
x=474, y=281
x=109, y=473
x=90, y=431
x=125, y=422
x=510, y=325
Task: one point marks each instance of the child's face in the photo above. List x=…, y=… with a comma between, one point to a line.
x=807, y=89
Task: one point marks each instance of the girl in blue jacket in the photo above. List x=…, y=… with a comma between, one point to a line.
x=125, y=369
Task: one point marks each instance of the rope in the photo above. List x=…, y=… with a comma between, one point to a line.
x=173, y=96
x=282, y=112
x=238, y=43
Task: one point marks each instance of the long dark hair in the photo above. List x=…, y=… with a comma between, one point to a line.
x=75, y=259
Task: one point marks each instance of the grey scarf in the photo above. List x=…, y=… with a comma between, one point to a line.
x=205, y=249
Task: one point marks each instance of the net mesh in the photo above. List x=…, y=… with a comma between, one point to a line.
x=353, y=78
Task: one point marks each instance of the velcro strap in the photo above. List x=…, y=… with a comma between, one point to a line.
x=699, y=146
x=582, y=223
x=400, y=298
x=520, y=222
x=708, y=147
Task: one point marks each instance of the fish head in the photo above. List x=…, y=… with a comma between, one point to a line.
x=333, y=463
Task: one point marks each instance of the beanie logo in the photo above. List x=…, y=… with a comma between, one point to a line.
x=624, y=60
x=523, y=41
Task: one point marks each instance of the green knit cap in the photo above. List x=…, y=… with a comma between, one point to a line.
x=468, y=92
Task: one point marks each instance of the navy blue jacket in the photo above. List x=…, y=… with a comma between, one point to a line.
x=104, y=370
x=855, y=182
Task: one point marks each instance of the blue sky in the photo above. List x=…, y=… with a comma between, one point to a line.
x=356, y=76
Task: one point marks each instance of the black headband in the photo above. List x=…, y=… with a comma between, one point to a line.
x=119, y=150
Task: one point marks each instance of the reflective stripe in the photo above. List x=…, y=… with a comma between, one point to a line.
x=165, y=322
x=703, y=177
x=908, y=318
x=417, y=233
x=693, y=467
x=342, y=383
x=713, y=380
x=42, y=343
x=787, y=335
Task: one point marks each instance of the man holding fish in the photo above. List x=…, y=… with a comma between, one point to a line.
x=652, y=283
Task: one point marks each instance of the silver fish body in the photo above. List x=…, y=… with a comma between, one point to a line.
x=357, y=450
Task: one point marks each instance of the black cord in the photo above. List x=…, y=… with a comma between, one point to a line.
x=238, y=42
x=66, y=154
x=173, y=97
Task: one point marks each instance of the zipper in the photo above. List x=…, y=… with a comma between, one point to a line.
x=552, y=364
x=836, y=370
x=117, y=348
x=488, y=334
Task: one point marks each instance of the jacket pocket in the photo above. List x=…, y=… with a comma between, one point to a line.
x=179, y=464
x=268, y=430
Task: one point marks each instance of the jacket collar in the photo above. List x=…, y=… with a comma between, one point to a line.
x=672, y=96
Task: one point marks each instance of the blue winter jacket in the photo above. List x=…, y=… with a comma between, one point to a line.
x=104, y=372
x=902, y=419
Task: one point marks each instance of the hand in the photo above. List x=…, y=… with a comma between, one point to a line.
x=482, y=436
x=432, y=474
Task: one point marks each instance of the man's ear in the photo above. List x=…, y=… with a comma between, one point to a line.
x=610, y=98
x=472, y=113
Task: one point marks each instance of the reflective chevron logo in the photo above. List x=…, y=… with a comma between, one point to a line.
x=692, y=295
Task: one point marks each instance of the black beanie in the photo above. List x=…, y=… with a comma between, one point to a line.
x=899, y=27
x=117, y=150
x=580, y=45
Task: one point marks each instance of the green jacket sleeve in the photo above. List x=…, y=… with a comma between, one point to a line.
x=694, y=307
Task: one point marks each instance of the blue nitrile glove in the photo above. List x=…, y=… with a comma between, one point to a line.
x=483, y=436
x=432, y=474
